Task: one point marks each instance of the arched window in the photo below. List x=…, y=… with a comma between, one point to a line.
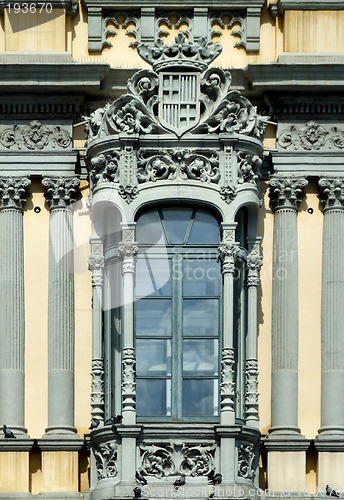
x=177, y=314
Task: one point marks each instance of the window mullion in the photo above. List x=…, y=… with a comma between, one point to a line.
x=177, y=308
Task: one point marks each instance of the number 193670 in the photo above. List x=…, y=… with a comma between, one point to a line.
x=29, y=8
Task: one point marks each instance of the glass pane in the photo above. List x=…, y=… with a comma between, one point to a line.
x=200, y=357
x=153, y=357
x=201, y=277
x=153, y=397
x=205, y=229
x=149, y=228
x=200, y=316
x=177, y=222
x=153, y=277
x=153, y=317
x=200, y=397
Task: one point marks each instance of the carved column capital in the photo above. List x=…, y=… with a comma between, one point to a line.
x=227, y=379
x=227, y=255
x=286, y=192
x=331, y=193
x=128, y=248
x=13, y=192
x=254, y=264
x=60, y=192
x=96, y=262
x=128, y=383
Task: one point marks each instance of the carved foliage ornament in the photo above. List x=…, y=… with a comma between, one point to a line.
x=178, y=164
x=164, y=460
x=165, y=100
x=251, y=384
x=60, y=192
x=245, y=460
x=105, y=167
x=97, y=387
x=227, y=378
x=286, y=192
x=35, y=136
x=96, y=263
x=13, y=192
x=311, y=137
x=106, y=457
x=254, y=264
x=332, y=192
x=248, y=167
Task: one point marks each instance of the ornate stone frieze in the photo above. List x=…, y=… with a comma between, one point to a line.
x=105, y=167
x=286, y=192
x=128, y=193
x=227, y=255
x=311, y=137
x=204, y=103
x=178, y=164
x=171, y=459
x=181, y=21
x=332, y=192
x=227, y=379
x=248, y=167
x=128, y=382
x=13, y=192
x=251, y=397
x=35, y=136
x=60, y=192
x=106, y=460
x=97, y=389
x=245, y=461
x=220, y=22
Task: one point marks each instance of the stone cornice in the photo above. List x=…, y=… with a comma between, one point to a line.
x=278, y=8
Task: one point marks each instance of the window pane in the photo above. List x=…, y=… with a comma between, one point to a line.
x=153, y=397
x=200, y=316
x=200, y=397
x=149, y=228
x=200, y=357
x=153, y=317
x=153, y=357
x=201, y=277
x=205, y=229
x=177, y=222
x=153, y=277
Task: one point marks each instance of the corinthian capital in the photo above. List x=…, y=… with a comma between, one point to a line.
x=60, y=192
x=13, y=192
x=227, y=255
x=286, y=192
x=332, y=192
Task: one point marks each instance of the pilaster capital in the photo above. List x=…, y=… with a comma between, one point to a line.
x=128, y=248
x=254, y=263
x=331, y=193
x=286, y=192
x=227, y=255
x=60, y=192
x=96, y=262
x=13, y=192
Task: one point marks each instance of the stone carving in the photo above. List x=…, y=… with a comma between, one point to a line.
x=286, y=192
x=254, y=264
x=106, y=458
x=178, y=164
x=97, y=389
x=227, y=379
x=234, y=19
x=248, y=167
x=227, y=255
x=128, y=383
x=105, y=167
x=164, y=460
x=245, y=460
x=13, y=192
x=35, y=136
x=228, y=193
x=252, y=389
x=112, y=19
x=96, y=263
x=202, y=105
x=60, y=192
x=311, y=137
x=183, y=21
x=332, y=192
x=128, y=193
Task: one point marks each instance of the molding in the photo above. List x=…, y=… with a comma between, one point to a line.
x=24, y=444
x=60, y=442
x=315, y=164
x=278, y=8
x=71, y=6
x=286, y=441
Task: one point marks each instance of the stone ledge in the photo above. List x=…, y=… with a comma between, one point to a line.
x=60, y=443
x=18, y=444
x=286, y=441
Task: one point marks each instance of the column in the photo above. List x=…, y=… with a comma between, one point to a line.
x=60, y=193
x=331, y=432
x=228, y=250
x=13, y=192
x=285, y=435
x=127, y=250
x=254, y=264
x=96, y=266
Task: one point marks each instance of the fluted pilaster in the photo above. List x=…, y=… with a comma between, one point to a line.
x=285, y=194
x=332, y=310
x=60, y=193
x=13, y=192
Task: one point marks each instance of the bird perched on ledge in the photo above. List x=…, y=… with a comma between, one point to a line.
x=179, y=482
x=94, y=423
x=331, y=493
x=214, y=478
x=115, y=419
x=137, y=492
x=8, y=433
x=140, y=479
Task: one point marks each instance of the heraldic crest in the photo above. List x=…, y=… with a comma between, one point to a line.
x=181, y=95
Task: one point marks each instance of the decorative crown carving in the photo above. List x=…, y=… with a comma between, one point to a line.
x=196, y=55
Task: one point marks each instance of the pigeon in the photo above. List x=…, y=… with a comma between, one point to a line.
x=94, y=423
x=179, y=482
x=215, y=478
x=115, y=419
x=8, y=433
x=137, y=492
x=140, y=479
x=331, y=493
